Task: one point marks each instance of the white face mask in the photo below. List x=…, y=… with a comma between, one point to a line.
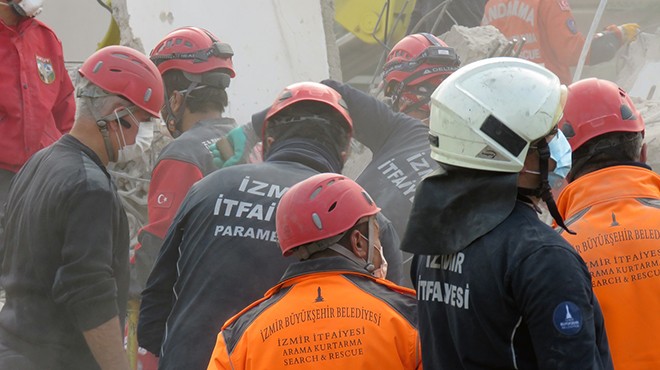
x=27, y=8
x=380, y=272
x=143, y=140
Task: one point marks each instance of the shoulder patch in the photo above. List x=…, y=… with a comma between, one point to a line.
x=570, y=23
x=567, y=318
x=164, y=200
x=563, y=5
x=46, y=70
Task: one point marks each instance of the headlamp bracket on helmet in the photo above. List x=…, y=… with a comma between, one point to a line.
x=434, y=55
x=214, y=78
x=217, y=49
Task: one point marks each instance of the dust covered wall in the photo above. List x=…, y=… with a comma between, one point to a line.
x=276, y=42
x=80, y=25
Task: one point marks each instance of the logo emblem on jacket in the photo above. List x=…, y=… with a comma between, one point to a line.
x=46, y=71
x=567, y=318
x=319, y=297
x=164, y=200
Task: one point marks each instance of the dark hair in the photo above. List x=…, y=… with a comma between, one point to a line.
x=606, y=150
x=204, y=100
x=310, y=120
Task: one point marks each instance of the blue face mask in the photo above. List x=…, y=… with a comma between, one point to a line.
x=560, y=152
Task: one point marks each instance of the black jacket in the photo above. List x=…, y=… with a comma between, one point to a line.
x=497, y=288
x=401, y=153
x=65, y=265
x=220, y=255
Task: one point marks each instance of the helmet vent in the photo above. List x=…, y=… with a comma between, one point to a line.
x=332, y=207
x=368, y=198
x=147, y=95
x=567, y=130
x=285, y=95
x=317, y=221
x=627, y=113
x=315, y=193
x=98, y=66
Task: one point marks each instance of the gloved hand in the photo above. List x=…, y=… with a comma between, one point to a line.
x=627, y=32
x=630, y=31
x=236, y=140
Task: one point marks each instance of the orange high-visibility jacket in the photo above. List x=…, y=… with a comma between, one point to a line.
x=616, y=215
x=548, y=26
x=324, y=314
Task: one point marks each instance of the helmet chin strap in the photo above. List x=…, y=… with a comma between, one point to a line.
x=102, y=125
x=178, y=115
x=544, y=191
x=368, y=265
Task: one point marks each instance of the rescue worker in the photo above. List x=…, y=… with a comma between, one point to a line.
x=221, y=251
x=612, y=203
x=399, y=142
x=65, y=267
x=332, y=309
x=196, y=69
x=413, y=69
x=496, y=287
x=240, y=142
x=38, y=103
x=552, y=38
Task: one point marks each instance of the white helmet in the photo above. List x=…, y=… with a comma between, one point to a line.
x=485, y=115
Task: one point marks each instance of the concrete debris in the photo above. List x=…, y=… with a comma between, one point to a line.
x=475, y=43
x=635, y=60
x=122, y=17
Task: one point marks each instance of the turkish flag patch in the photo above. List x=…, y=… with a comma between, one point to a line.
x=563, y=5
x=164, y=200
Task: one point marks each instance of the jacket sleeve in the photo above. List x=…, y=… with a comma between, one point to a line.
x=220, y=358
x=553, y=289
x=558, y=26
x=84, y=282
x=170, y=182
x=64, y=109
x=373, y=121
x=158, y=297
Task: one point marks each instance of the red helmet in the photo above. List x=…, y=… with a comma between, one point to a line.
x=418, y=58
x=309, y=91
x=126, y=72
x=595, y=107
x=323, y=206
x=193, y=50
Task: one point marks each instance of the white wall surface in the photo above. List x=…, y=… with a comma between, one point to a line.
x=276, y=42
x=80, y=24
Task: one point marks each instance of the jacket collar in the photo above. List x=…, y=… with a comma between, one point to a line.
x=452, y=209
x=335, y=264
x=607, y=184
x=304, y=151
